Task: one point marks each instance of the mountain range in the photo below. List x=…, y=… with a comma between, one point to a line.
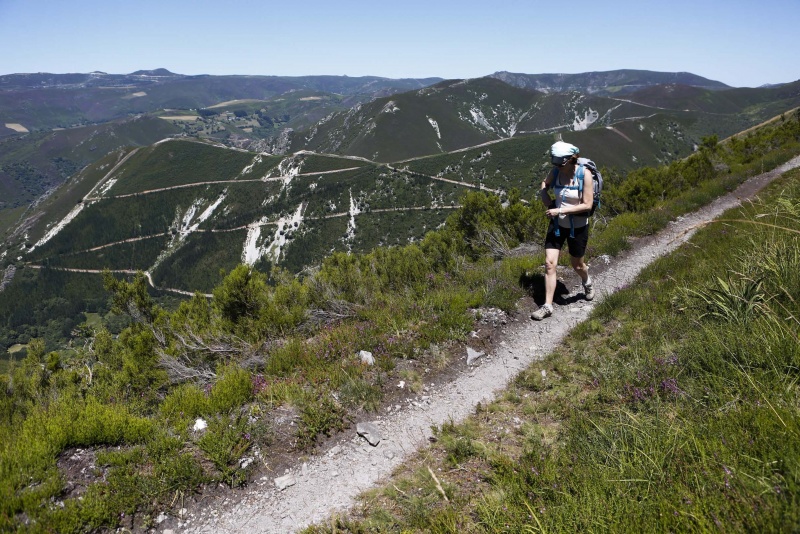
x=56, y=124
x=185, y=176
x=608, y=83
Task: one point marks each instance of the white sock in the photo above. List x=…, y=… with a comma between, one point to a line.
x=588, y=281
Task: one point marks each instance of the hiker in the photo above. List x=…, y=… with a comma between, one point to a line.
x=569, y=220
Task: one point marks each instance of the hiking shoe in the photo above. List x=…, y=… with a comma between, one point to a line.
x=588, y=292
x=546, y=310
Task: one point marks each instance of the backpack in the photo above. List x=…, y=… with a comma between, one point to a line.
x=597, y=179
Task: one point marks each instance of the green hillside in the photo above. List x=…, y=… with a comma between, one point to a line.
x=161, y=208
x=35, y=163
x=458, y=114
x=395, y=168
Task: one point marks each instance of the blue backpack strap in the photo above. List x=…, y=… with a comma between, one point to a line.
x=556, y=185
x=579, y=175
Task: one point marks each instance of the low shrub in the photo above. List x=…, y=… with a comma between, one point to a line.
x=224, y=442
x=232, y=390
x=320, y=415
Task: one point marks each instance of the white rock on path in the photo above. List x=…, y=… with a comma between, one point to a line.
x=370, y=432
x=285, y=481
x=473, y=355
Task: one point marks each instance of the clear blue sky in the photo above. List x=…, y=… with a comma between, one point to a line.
x=743, y=43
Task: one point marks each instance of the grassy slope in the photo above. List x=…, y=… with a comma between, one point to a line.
x=673, y=408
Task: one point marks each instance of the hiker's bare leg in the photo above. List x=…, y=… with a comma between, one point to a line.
x=550, y=279
x=580, y=268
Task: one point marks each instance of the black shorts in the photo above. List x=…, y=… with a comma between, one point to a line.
x=577, y=244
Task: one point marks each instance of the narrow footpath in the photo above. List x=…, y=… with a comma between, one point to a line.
x=330, y=481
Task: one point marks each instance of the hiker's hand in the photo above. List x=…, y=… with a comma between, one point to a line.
x=552, y=212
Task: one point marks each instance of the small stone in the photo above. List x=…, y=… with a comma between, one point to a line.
x=366, y=357
x=544, y=373
x=402, y=384
x=285, y=481
x=370, y=432
x=473, y=355
x=199, y=424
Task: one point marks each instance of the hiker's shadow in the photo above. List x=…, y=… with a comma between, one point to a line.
x=534, y=286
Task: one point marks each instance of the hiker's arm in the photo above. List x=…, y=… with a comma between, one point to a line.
x=588, y=196
x=543, y=193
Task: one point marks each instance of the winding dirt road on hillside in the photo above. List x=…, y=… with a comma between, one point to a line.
x=330, y=481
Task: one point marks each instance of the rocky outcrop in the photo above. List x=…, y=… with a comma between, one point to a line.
x=8, y=276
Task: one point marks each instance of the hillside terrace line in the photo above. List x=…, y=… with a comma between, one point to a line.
x=211, y=230
x=282, y=178
x=259, y=223
x=122, y=271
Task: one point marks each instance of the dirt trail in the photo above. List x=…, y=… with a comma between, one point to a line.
x=330, y=482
